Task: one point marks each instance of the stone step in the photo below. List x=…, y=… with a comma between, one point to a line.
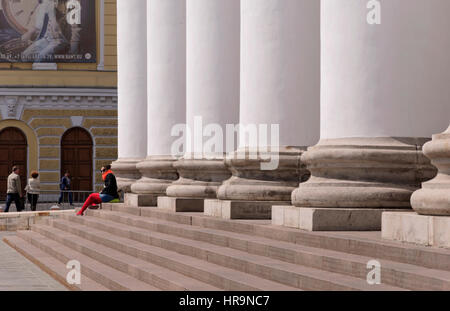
x=367, y=244
x=136, y=269
x=51, y=266
x=119, y=250
x=393, y=273
x=275, y=270
x=99, y=272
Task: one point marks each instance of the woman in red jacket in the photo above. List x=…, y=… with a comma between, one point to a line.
x=108, y=193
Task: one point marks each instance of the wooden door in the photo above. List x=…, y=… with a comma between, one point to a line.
x=76, y=157
x=13, y=152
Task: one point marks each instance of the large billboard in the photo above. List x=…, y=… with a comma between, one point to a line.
x=48, y=31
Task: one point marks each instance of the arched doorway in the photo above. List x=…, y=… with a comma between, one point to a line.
x=13, y=152
x=76, y=157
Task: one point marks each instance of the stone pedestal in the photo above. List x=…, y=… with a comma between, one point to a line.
x=416, y=229
x=157, y=174
x=227, y=209
x=126, y=173
x=179, y=205
x=363, y=173
x=133, y=199
x=328, y=219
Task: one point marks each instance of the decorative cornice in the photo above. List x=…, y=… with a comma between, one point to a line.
x=59, y=98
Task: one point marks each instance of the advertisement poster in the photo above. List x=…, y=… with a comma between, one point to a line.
x=56, y=31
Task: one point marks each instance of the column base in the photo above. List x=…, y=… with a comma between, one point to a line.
x=133, y=199
x=179, y=205
x=251, y=183
x=199, y=178
x=228, y=209
x=434, y=197
x=328, y=219
x=363, y=173
x=417, y=229
x=158, y=173
x=126, y=173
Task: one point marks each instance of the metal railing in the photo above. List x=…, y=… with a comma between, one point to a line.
x=52, y=199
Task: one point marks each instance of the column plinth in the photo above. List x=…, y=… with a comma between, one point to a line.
x=434, y=197
x=363, y=173
x=126, y=173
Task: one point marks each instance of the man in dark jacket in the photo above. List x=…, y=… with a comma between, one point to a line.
x=64, y=186
x=108, y=193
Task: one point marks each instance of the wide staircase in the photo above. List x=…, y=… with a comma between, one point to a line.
x=149, y=249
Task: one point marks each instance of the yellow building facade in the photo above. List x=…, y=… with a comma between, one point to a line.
x=62, y=116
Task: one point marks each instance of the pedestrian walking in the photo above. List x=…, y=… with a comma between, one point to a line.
x=33, y=190
x=108, y=193
x=14, y=190
x=64, y=186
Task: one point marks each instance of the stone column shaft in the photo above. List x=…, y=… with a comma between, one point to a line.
x=166, y=47
x=132, y=90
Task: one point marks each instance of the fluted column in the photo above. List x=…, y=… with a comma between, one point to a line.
x=132, y=90
x=213, y=34
x=280, y=51
x=434, y=197
x=166, y=47
x=384, y=93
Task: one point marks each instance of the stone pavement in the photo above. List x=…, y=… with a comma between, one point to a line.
x=19, y=274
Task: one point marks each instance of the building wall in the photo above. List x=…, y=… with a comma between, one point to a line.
x=74, y=75
x=44, y=104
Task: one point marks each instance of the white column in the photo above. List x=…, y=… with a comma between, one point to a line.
x=166, y=33
x=385, y=91
x=280, y=68
x=280, y=51
x=213, y=40
x=132, y=89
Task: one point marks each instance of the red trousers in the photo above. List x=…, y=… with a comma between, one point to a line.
x=91, y=200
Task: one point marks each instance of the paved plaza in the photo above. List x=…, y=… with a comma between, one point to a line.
x=19, y=274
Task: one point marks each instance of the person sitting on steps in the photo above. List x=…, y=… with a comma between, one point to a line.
x=108, y=194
